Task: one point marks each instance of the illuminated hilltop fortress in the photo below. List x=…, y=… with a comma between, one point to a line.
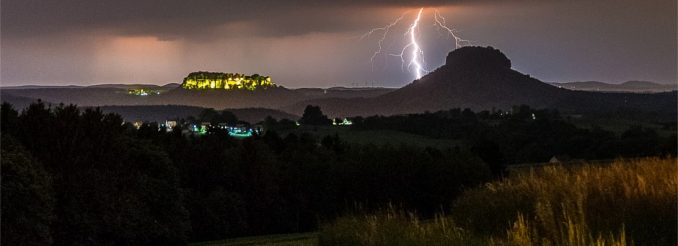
x=226, y=81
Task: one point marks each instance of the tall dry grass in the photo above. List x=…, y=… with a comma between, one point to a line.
x=628, y=202
x=395, y=227
x=633, y=199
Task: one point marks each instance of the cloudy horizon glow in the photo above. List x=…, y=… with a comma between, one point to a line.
x=317, y=44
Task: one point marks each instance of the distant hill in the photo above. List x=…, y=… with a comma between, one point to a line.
x=82, y=96
x=171, y=85
x=153, y=113
x=629, y=86
x=99, y=96
x=160, y=113
x=124, y=86
x=114, y=86
x=255, y=115
x=172, y=94
x=481, y=78
x=18, y=102
x=344, y=92
x=265, y=98
x=40, y=86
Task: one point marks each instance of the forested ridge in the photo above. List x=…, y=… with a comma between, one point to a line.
x=74, y=176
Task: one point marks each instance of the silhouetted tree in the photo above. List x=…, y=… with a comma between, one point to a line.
x=490, y=152
x=27, y=197
x=314, y=116
x=8, y=118
x=639, y=141
x=114, y=184
x=228, y=117
x=110, y=188
x=209, y=115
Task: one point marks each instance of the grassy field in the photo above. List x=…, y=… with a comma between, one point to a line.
x=624, y=203
x=619, y=126
x=627, y=202
x=377, y=137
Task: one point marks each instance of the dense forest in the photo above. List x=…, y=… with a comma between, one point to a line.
x=74, y=176
x=84, y=177
x=527, y=135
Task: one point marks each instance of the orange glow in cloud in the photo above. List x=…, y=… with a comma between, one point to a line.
x=139, y=58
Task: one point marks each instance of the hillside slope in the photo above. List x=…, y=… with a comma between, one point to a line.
x=481, y=78
x=629, y=86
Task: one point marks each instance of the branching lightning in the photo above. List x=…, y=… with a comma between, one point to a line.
x=416, y=51
x=440, y=22
x=385, y=30
x=416, y=54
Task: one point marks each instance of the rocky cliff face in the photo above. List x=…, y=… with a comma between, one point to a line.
x=227, y=81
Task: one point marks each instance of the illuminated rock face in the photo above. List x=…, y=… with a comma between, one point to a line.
x=225, y=81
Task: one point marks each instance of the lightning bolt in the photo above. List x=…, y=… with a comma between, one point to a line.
x=385, y=30
x=440, y=22
x=416, y=54
x=416, y=50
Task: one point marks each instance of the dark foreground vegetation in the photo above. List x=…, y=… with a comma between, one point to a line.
x=72, y=176
x=527, y=135
x=624, y=203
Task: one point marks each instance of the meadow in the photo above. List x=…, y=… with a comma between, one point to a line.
x=628, y=202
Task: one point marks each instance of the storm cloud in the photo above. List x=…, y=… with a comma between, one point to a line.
x=313, y=43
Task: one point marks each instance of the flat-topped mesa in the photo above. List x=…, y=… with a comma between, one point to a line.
x=477, y=57
x=225, y=81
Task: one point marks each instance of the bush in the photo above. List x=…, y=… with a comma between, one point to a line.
x=625, y=203
x=109, y=187
x=313, y=116
x=393, y=227
x=635, y=200
x=27, y=197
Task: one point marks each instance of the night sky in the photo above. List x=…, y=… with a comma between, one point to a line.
x=318, y=44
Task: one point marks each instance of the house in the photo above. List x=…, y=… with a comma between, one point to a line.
x=559, y=159
x=170, y=124
x=137, y=124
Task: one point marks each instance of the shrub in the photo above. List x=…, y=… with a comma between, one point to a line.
x=629, y=202
x=394, y=227
x=27, y=197
x=632, y=199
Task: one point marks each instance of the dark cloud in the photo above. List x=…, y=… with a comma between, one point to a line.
x=92, y=41
x=23, y=18
x=169, y=19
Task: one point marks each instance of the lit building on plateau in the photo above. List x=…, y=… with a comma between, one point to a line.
x=225, y=81
x=142, y=92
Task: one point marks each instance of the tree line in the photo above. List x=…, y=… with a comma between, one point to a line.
x=81, y=176
x=73, y=176
x=525, y=135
